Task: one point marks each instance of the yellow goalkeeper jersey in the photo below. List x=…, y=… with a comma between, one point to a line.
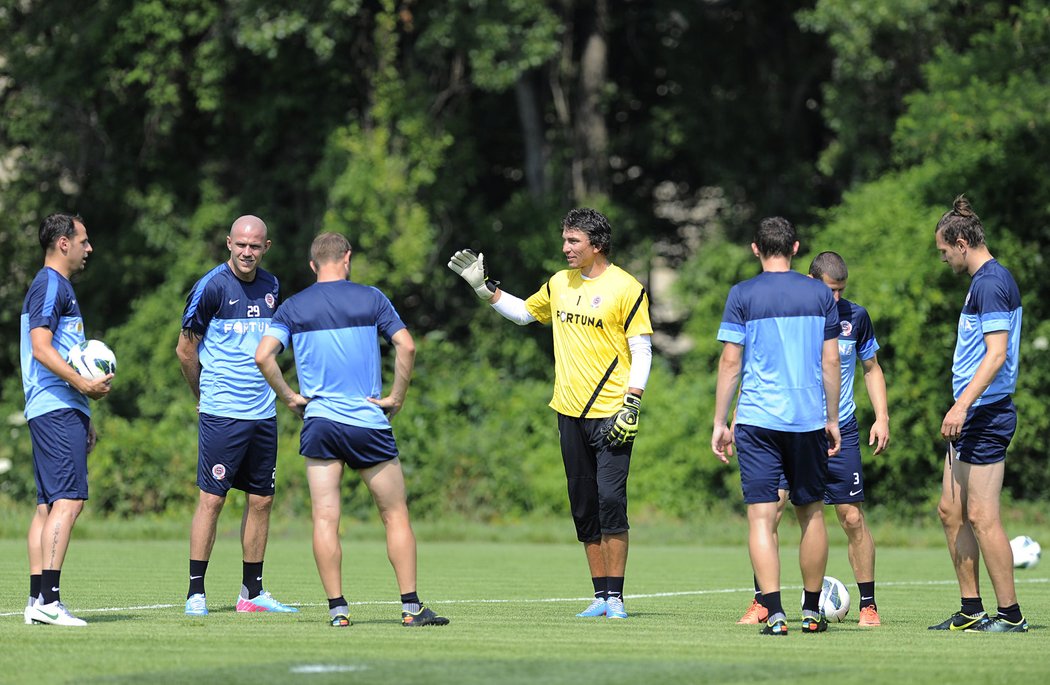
x=592, y=319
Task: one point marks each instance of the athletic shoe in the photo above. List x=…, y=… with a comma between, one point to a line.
x=960, y=621
x=777, y=627
x=341, y=621
x=614, y=608
x=814, y=624
x=54, y=613
x=869, y=616
x=32, y=602
x=423, y=617
x=597, y=608
x=999, y=625
x=264, y=602
x=196, y=605
x=755, y=614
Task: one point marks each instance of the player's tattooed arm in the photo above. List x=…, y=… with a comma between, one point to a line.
x=189, y=360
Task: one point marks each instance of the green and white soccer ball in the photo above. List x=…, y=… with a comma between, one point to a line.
x=92, y=359
x=1026, y=551
x=834, y=599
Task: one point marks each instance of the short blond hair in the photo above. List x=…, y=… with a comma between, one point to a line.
x=328, y=248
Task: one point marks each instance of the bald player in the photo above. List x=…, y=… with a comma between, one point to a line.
x=227, y=312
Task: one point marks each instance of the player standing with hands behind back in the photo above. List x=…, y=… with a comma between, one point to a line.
x=57, y=411
x=602, y=357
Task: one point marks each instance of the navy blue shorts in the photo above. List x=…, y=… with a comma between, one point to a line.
x=596, y=476
x=60, y=440
x=845, y=477
x=768, y=458
x=358, y=447
x=236, y=453
x=987, y=432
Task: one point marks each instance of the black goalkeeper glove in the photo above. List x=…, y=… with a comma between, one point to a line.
x=624, y=426
x=471, y=268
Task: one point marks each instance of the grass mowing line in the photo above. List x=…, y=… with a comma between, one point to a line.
x=548, y=600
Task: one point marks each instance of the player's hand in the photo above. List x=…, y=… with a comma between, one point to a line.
x=390, y=405
x=831, y=430
x=297, y=404
x=92, y=437
x=95, y=388
x=952, y=425
x=624, y=426
x=722, y=442
x=471, y=268
x=880, y=435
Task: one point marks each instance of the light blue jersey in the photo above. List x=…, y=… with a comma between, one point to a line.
x=993, y=303
x=782, y=320
x=334, y=330
x=231, y=316
x=857, y=344
x=50, y=303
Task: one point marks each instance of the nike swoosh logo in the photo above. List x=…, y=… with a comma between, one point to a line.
x=854, y=494
x=259, y=578
x=53, y=617
x=54, y=589
x=195, y=577
x=234, y=301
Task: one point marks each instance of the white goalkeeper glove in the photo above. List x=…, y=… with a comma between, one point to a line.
x=624, y=425
x=471, y=268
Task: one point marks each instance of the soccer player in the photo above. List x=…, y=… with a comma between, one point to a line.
x=780, y=330
x=980, y=424
x=602, y=356
x=845, y=486
x=226, y=314
x=57, y=411
x=333, y=328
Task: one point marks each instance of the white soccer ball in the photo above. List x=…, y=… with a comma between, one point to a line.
x=92, y=359
x=834, y=599
x=1026, y=551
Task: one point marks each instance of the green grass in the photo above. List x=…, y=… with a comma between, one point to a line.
x=511, y=605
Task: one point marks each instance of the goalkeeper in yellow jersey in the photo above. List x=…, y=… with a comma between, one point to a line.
x=599, y=315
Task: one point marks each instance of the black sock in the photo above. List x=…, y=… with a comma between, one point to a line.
x=867, y=594
x=337, y=602
x=1011, y=613
x=410, y=602
x=601, y=586
x=810, y=601
x=971, y=606
x=49, y=584
x=771, y=601
x=34, y=585
x=251, y=577
x=615, y=587
x=197, y=570
x=758, y=591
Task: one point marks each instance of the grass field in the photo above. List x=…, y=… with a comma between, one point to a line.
x=511, y=606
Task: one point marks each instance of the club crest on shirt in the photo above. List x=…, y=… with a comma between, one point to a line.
x=847, y=327
x=596, y=302
x=270, y=300
x=219, y=471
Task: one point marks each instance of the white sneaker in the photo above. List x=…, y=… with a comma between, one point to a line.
x=54, y=613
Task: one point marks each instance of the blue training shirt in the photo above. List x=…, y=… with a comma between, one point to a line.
x=993, y=303
x=857, y=343
x=782, y=320
x=232, y=316
x=334, y=330
x=50, y=302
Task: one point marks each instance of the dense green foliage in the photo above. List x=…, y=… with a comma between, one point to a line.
x=417, y=129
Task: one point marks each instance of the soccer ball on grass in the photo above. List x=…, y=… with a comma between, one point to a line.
x=92, y=359
x=1026, y=551
x=834, y=599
